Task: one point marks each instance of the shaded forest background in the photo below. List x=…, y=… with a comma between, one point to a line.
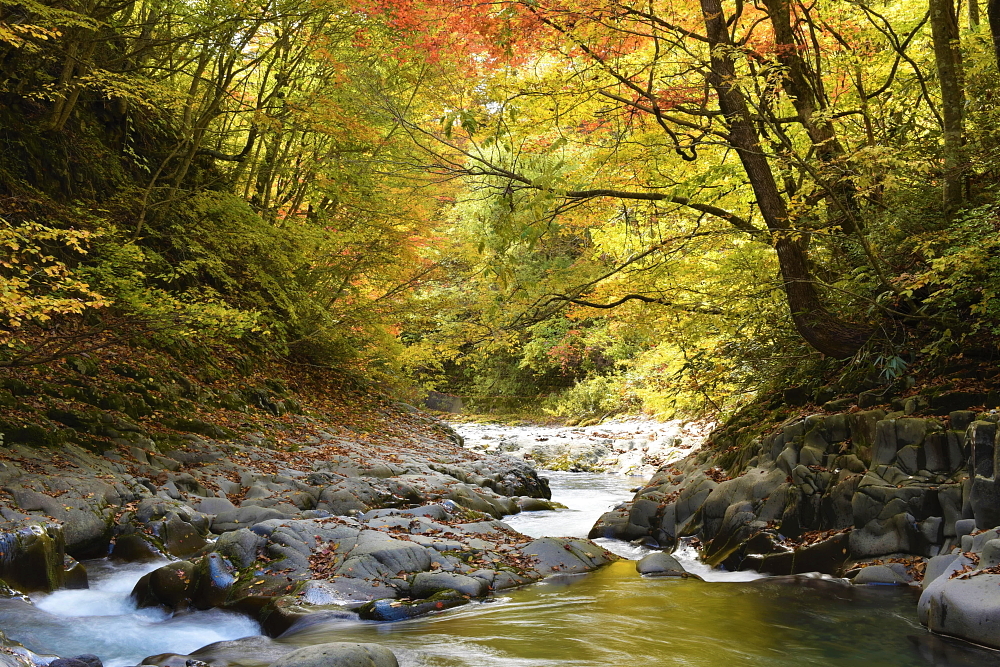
x=565, y=207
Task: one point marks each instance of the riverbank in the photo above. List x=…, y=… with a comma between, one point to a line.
x=275, y=498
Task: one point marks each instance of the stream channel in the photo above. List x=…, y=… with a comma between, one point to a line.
x=611, y=618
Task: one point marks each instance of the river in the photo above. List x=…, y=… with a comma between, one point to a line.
x=611, y=618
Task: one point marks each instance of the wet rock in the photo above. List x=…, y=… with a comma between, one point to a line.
x=968, y=608
x=214, y=578
x=32, y=556
x=180, y=538
x=170, y=586
x=426, y=584
x=893, y=574
x=341, y=654
x=534, y=504
x=661, y=564
x=134, y=547
x=398, y=610
x=566, y=555
x=88, y=659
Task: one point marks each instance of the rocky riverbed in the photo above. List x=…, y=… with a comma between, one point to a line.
x=262, y=506
x=251, y=504
x=627, y=446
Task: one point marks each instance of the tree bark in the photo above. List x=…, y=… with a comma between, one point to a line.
x=804, y=91
x=993, y=16
x=820, y=328
x=948, y=58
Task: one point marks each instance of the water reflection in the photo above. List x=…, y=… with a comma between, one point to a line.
x=614, y=618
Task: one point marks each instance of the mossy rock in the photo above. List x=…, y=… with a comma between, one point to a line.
x=232, y=401
x=197, y=426
x=129, y=371
x=7, y=399
x=83, y=366
x=277, y=386
x=78, y=419
x=38, y=435
x=16, y=387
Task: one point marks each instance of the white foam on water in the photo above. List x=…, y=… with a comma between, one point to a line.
x=104, y=620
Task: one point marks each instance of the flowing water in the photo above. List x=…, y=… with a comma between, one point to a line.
x=610, y=618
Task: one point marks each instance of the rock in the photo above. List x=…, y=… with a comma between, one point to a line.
x=967, y=608
x=32, y=556
x=241, y=546
x=565, y=555
x=340, y=654
x=88, y=659
x=180, y=538
x=215, y=506
x=938, y=565
x=426, y=584
x=168, y=586
x=398, y=610
x=893, y=574
x=661, y=564
x=134, y=547
x=990, y=556
x=244, y=517
x=534, y=504
x=67, y=662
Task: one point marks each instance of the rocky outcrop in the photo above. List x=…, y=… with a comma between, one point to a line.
x=883, y=498
x=824, y=491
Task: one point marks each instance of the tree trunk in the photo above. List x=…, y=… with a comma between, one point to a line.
x=993, y=16
x=820, y=328
x=948, y=58
x=804, y=90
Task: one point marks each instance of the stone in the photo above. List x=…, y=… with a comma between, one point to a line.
x=426, y=584
x=134, y=547
x=966, y=608
x=168, y=586
x=88, y=659
x=984, y=498
x=979, y=441
x=990, y=555
x=959, y=420
x=534, y=504
x=244, y=517
x=565, y=555
x=897, y=534
x=180, y=538
x=937, y=566
x=241, y=546
x=339, y=654
x=883, y=575
x=215, y=506
x=660, y=564
x=965, y=527
x=34, y=556
x=885, y=447
x=398, y=610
